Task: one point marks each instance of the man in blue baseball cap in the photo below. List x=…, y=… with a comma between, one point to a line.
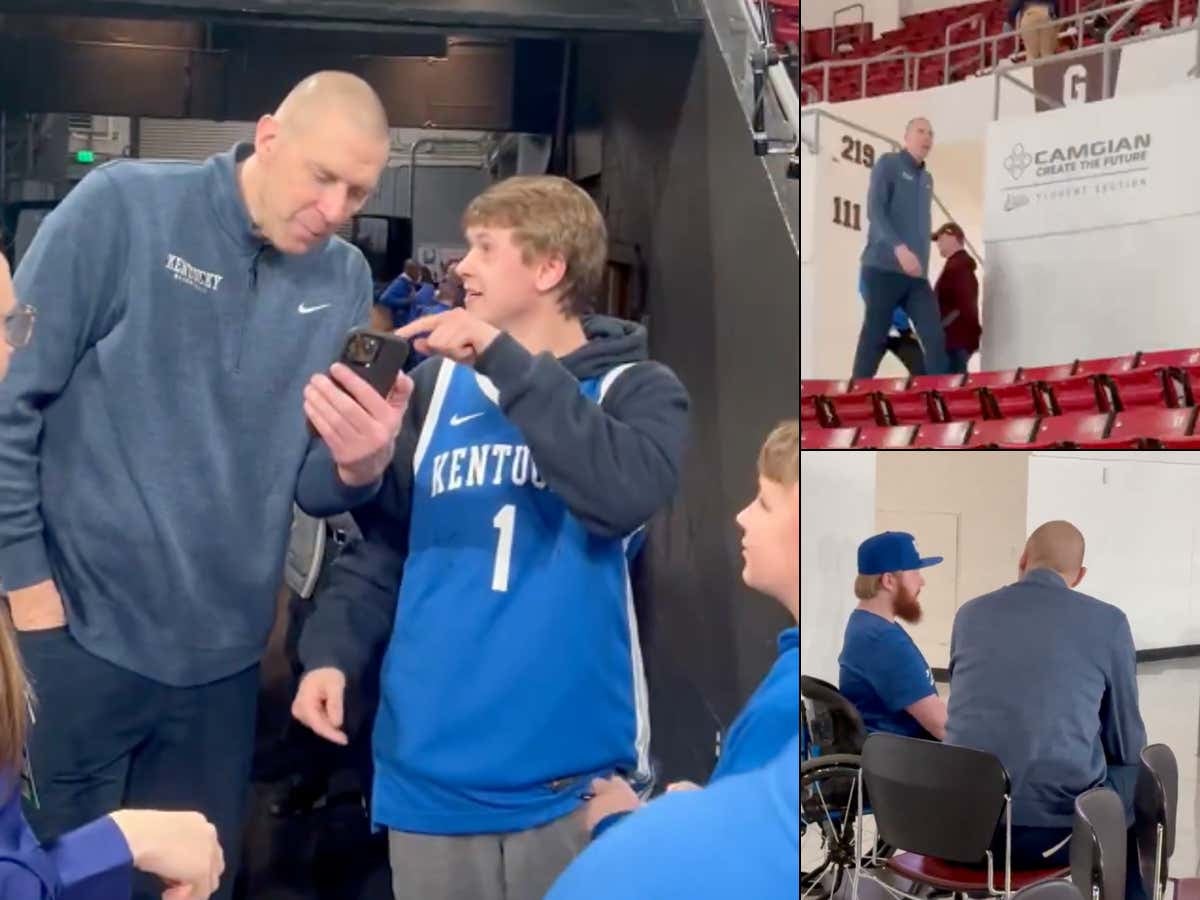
x=882, y=672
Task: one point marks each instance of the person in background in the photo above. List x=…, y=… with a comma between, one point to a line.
x=770, y=541
x=957, y=291
x=895, y=262
x=399, y=296
x=1045, y=678
x=96, y=860
x=1032, y=19
x=882, y=672
x=440, y=300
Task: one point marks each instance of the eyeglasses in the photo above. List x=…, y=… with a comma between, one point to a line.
x=18, y=326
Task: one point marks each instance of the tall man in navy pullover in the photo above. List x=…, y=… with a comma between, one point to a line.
x=1044, y=678
x=895, y=262
x=153, y=439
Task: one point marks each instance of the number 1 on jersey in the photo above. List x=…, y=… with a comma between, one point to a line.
x=505, y=522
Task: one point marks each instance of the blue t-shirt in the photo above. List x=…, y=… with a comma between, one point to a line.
x=770, y=718
x=883, y=673
x=738, y=838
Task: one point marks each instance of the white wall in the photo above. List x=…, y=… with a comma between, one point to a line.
x=1140, y=516
x=837, y=508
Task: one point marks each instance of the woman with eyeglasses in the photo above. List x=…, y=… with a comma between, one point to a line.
x=94, y=862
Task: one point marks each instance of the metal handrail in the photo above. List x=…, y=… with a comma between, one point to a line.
x=994, y=40
x=1105, y=87
x=862, y=18
x=976, y=19
x=1007, y=73
x=815, y=145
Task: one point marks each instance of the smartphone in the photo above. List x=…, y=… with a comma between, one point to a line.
x=376, y=356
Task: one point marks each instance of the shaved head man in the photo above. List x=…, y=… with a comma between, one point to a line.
x=918, y=138
x=1057, y=546
x=155, y=440
x=316, y=160
x=1044, y=677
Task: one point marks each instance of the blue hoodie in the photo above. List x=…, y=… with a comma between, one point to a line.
x=737, y=838
x=152, y=435
x=770, y=718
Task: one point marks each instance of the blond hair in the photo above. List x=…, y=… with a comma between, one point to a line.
x=549, y=216
x=779, y=458
x=14, y=705
x=867, y=586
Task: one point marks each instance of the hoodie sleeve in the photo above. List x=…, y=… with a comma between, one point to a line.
x=319, y=490
x=878, y=194
x=72, y=274
x=614, y=464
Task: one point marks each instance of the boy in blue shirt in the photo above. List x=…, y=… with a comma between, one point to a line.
x=882, y=672
x=770, y=541
x=739, y=837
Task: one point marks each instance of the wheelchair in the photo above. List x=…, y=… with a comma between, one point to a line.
x=831, y=738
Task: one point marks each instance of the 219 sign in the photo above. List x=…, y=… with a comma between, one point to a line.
x=858, y=152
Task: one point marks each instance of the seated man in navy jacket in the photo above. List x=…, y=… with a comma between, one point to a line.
x=1044, y=678
x=882, y=672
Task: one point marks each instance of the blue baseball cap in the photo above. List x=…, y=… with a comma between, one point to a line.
x=892, y=551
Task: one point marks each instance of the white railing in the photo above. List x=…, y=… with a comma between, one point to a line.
x=990, y=46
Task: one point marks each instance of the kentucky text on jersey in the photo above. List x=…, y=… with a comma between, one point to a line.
x=468, y=467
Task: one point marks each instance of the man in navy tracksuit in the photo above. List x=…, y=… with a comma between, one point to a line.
x=494, y=568
x=895, y=262
x=153, y=442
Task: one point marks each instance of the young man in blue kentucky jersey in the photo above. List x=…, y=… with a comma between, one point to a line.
x=538, y=442
x=770, y=550
x=737, y=838
x=882, y=672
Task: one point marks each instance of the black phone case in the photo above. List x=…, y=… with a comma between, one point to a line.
x=382, y=371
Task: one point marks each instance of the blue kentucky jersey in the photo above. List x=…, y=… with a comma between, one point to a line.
x=513, y=675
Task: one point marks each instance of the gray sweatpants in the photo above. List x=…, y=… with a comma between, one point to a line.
x=518, y=865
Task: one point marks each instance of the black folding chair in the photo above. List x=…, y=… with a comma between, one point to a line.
x=1155, y=803
x=1098, y=845
x=941, y=806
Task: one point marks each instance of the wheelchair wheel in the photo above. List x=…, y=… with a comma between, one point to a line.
x=828, y=826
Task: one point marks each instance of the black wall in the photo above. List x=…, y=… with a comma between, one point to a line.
x=679, y=181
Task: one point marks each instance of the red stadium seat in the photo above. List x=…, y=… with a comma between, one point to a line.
x=1109, y=366
x=1183, y=443
x=945, y=434
x=1156, y=386
x=1191, y=383
x=990, y=379
x=912, y=407
x=827, y=438
x=887, y=385
x=1145, y=426
x=1071, y=429
x=964, y=403
x=1047, y=373
x=936, y=382
x=1178, y=358
x=1002, y=432
x=811, y=411
x=1016, y=401
x=811, y=388
x=883, y=437
x=855, y=409
x=1079, y=393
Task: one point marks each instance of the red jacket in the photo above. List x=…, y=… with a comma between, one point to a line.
x=957, y=291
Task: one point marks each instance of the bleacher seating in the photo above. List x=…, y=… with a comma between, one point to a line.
x=927, y=31
x=1144, y=400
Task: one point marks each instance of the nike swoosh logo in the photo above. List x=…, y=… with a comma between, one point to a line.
x=305, y=310
x=460, y=420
